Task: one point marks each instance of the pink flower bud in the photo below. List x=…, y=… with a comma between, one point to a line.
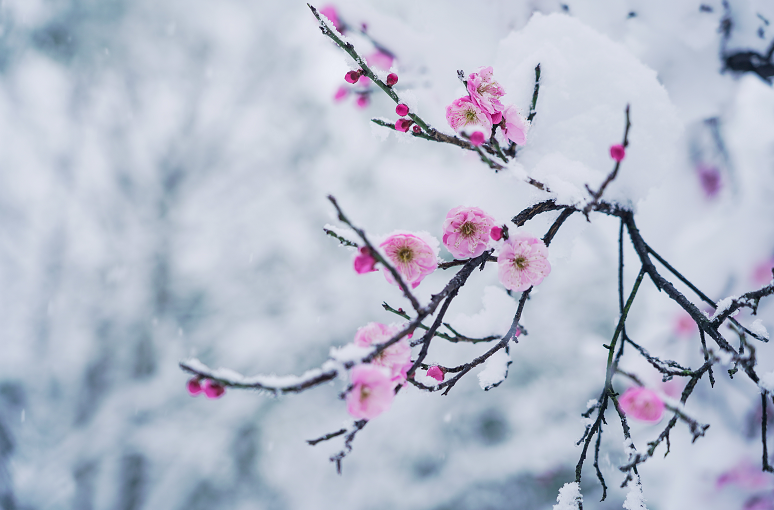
x=403, y=125
x=212, y=389
x=417, y=129
x=352, y=76
x=402, y=110
x=341, y=93
x=642, y=404
x=364, y=262
x=392, y=79
x=362, y=101
x=617, y=152
x=436, y=373
x=194, y=388
x=496, y=233
x=477, y=138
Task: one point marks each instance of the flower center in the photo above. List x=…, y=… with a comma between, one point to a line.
x=468, y=229
x=471, y=117
x=365, y=392
x=405, y=254
x=520, y=262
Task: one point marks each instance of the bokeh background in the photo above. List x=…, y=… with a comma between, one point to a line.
x=163, y=174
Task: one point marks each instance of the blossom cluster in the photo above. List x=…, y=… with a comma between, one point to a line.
x=481, y=111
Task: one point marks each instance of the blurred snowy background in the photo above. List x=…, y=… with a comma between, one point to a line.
x=163, y=173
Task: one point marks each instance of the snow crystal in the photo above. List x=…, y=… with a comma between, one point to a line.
x=767, y=382
x=634, y=498
x=759, y=329
x=568, y=497
x=723, y=305
x=495, y=370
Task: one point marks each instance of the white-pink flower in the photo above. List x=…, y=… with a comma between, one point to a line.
x=372, y=392
x=411, y=256
x=642, y=404
x=464, y=113
x=485, y=91
x=466, y=231
x=516, y=126
x=522, y=262
x=394, y=357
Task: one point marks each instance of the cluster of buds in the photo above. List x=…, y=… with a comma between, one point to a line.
x=403, y=124
x=210, y=388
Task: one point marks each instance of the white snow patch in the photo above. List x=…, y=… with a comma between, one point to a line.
x=767, y=382
x=634, y=498
x=723, y=305
x=759, y=329
x=569, y=497
x=495, y=370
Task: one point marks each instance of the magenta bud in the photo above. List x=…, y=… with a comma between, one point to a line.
x=402, y=110
x=392, y=79
x=496, y=233
x=194, y=388
x=403, y=125
x=417, y=129
x=617, y=152
x=477, y=138
x=213, y=389
x=352, y=76
x=436, y=373
x=364, y=261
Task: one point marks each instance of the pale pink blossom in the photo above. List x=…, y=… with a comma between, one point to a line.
x=194, y=387
x=362, y=101
x=522, y=262
x=762, y=274
x=341, y=93
x=685, y=325
x=436, y=373
x=746, y=475
x=364, y=81
x=485, y=91
x=516, y=126
x=394, y=357
x=212, y=389
x=380, y=59
x=617, y=152
x=464, y=113
x=372, y=392
x=411, y=256
x=642, y=404
x=466, y=231
x=477, y=138
x=364, y=261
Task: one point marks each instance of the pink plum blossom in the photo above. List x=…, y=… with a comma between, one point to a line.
x=403, y=125
x=364, y=261
x=372, y=392
x=522, y=262
x=352, y=76
x=436, y=373
x=362, y=101
x=477, y=138
x=402, y=110
x=392, y=79
x=212, y=389
x=496, y=233
x=380, y=60
x=394, y=357
x=617, y=152
x=685, y=325
x=762, y=273
x=193, y=386
x=485, y=91
x=341, y=93
x=329, y=11
x=464, y=112
x=746, y=475
x=412, y=257
x=642, y=404
x=466, y=231
x=516, y=126
x=364, y=81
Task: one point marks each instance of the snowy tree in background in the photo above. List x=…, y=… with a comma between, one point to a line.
x=164, y=189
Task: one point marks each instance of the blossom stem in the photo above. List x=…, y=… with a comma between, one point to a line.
x=619, y=328
x=532, y=110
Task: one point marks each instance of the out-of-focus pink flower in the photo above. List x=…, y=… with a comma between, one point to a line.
x=212, y=389
x=436, y=373
x=194, y=388
x=464, y=112
x=362, y=101
x=673, y=388
x=762, y=272
x=403, y=125
x=710, y=180
x=496, y=233
x=522, y=262
x=412, y=257
x=617, y=152
x=352, y=76
x=364, y=261
x=402, y=110
x=746, y=475
x=341, y=93
x=516, y=126
x=485, y=91
x=392, y=79
x=642, y=404
x=380, y=60
x=394, y=357
x=372, y=392
x=685, y=325
x=330, y=12
x=364, y=81
x=477, y=138
x=466, y=231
